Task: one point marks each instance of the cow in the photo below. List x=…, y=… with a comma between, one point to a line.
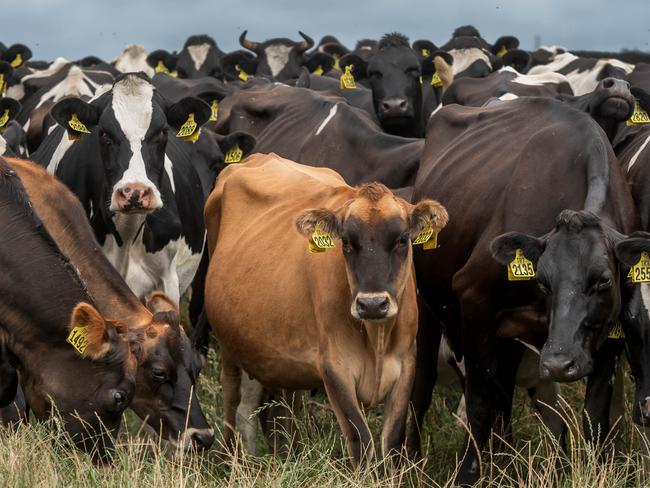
x=167, y=367
x=199, y=57
x=133, y=59
x=133, y=175
x=563, y=159
x=354, y=305
x=56, y=338
x=16, y=55
x=12, y=136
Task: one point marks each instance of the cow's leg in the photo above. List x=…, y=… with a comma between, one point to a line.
x=201, y=335
x=426, y=364
x=230, y=384
x=278, y=421
x=396, y=408
x=509, y=354
x=251, y=392
x=546, y=400
x=341, y=393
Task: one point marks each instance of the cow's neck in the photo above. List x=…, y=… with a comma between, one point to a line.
x=378, y=334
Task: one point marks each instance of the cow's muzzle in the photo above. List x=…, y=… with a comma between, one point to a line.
x=134, y=198
x=562, y=367
x=394, y=107
x=373, y=306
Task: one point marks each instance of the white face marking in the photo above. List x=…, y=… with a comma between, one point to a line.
x=277, y=56
x=133, y=107
x=638, y=153
x=133, y=59
x=198, y=54
x=328, y=118
x=170, y=174
x=463, y=58
x=74, y=84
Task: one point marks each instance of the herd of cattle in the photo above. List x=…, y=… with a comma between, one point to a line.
x=326, y=209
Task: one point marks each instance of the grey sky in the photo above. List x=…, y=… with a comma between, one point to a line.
x=75, y=28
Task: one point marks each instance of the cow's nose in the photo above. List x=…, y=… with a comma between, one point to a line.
x=373, y=306
x=394, y=106
x=559, y=367
x=614, y=84
x=134, y=196
x=203, y=438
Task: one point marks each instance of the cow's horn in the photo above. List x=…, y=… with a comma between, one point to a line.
x=250, y=45
x=307, y=44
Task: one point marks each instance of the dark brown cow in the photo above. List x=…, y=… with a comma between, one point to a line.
x=344, y=319
x=547, y=172
x=167, y=365
x=44, y=302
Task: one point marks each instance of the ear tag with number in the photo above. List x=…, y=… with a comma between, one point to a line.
x=214, y=110
x=347, y=79
x=424, y=52
x=427, y=237
x=616, y=331
x=520, y=268
x=161, y=68
x=318, y=71
x=4, y=119
x=435, y=80
x=3, y=85
x=321, y=239
x=640, y=272
x=188, y=129
x=241, y=73
x=78, y=339
x=18, y=60
x=77, y=125
x=639, y=116
x=502, y=52
x=233, y=155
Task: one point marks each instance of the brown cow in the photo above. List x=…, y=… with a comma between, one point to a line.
x=168, y=365
x=344, y=319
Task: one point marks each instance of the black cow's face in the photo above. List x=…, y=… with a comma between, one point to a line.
x=577, y=270
x=279, y=58
x=198, y=60
x=394, y=75
x=612, y=99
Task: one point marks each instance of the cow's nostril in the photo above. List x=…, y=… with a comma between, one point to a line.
x=126, y=190
x=608, y=83
x=402, y=104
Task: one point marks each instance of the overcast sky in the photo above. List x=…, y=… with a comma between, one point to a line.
x=75, y=28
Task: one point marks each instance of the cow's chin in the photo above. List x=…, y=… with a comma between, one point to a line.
x=135, y=211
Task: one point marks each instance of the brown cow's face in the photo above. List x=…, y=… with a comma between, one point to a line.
x=376, y=229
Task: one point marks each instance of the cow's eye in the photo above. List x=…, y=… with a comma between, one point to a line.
x=346, y=244
x=603, y=284
x=402, y=241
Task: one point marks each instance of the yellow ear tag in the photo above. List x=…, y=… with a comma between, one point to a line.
x=520, y=268
x=77, y=125
x=78, y=339
x=318, y=71
x=233, y=155
x=214, y=108
x=616, y=331
x=18, y=60
x=3, y=85
x=640, y=272
x=188, y=128
x=435, y=80
x=4, y=119
x=347, y=79
x=161, y=68
x=420, y=79
x=425, y=53
x=321, y=239
x=313, y=248
x=427, y=237
x=639, y=116
x=241, y=73
x=337, y=64
x=502, y=52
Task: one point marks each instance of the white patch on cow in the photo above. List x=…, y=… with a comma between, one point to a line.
x=133, y=107
x=3, y=146
x=638, y=153
x=17, y=92
x=198, y=54
x=277, y=57
x=73, y=85
x=64, y=144
x=463, y=58
x=536, y=80
x=559, y=62
x=133, y=59
x=328, y=118
x=170, y=174
x=507, y=96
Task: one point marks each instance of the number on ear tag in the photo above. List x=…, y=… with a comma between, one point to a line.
x=639, y=116
x=640, y=272
x=233, y=155
x=322, y=239
x=520, y=268
x=188, y=128
x=4, y=119
x=18, y=60
x=435, y=80
x=616, y=331
x=313, y=248
x=347, y=79
x=214, y=109
x=78, y=339
x=77, y=125
x=502, y=52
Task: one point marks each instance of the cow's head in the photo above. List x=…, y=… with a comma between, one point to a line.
x=130, y=125
x=279, y=58
x=199, y=57
x=376, y=229
x=168, y=367
x=578, y=271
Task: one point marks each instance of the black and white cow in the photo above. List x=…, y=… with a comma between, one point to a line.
x=199, y=57
x=132, y=60
x=135, y=179
x=12, y=136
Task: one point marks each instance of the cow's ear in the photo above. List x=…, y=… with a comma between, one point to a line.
x=187, y=116
x=504, y=247
x=159, y=302
x=359, y=65
x=427, y=213
x=238, y=65
x=322, y=219
x=17, y=55
x=238, y=140
x=319, y=63
x=427, y=64
x=504, y=44
x=9, y=109
x=628, y=250
x=424, y=48
x=76, y=116
x=517, y=59
x=642, y=96
x=162, y=61
x=90, y=334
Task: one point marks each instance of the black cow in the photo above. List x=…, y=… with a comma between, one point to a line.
x=199, y=57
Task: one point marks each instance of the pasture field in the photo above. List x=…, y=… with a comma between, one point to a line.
x=35, y=456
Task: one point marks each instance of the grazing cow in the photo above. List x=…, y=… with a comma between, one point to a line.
x=320, y=131
x=132, y=60
x=165, y=392
x=562, y=158
x=138, y=186
x=344, y=319
x=43, y=302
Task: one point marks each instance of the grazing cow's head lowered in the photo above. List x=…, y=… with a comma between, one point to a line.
x=129, y=126
x=376, y=229
x=578, y=271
